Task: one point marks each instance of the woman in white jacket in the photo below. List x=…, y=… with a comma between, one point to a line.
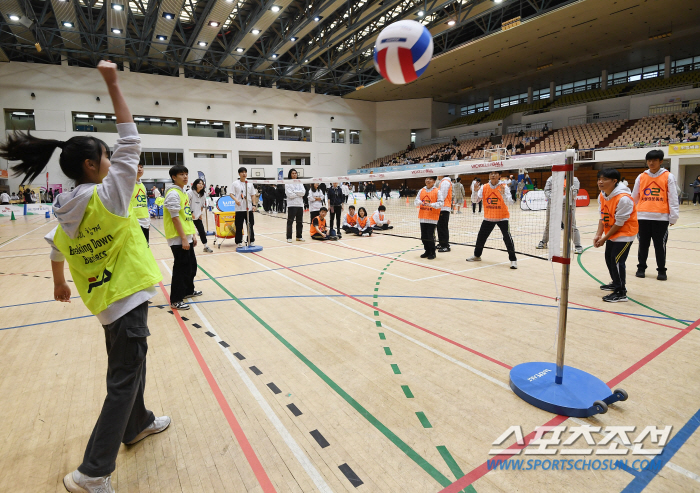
x=316, y=198
x=295, y=205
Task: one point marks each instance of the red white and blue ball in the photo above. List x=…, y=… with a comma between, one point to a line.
x=403, y=51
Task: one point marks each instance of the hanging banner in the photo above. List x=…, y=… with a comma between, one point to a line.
x=280, y=174
x=684, y=148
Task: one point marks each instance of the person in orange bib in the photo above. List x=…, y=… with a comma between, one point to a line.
x=497, y=198
x=616, y=229
x=378, y=220
x=318, y=229
x=430, y=204
x=350, y=221
x=443, y=230
x=656, y=197
x=362, y=226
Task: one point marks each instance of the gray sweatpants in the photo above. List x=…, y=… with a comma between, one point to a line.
x=577, y=236
x=124, y=414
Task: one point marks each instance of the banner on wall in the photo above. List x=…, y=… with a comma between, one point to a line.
x=4, y=174
x=7, y=210
x=684, y=148
x=200, y=175
x=280, y=174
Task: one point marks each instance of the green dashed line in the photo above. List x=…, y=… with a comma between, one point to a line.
x=377, y=283
x=374, y=303
x=396, y=369
x=387, y=351
x=407, y=392
x=376, y=289
x=379, y=324
x=423, y=420
x=376, y=313
x=382, y=336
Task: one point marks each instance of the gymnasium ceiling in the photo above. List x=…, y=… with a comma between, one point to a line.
x=573, y=42
x=290, y=44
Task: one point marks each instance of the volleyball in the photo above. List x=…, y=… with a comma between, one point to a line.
x=403, y=51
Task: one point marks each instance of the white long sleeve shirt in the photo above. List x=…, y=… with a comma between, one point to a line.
x=315, y=205
x=345, y=221
x=295, y=194
x=445, y=186
x=379, y=219
x=674, y=212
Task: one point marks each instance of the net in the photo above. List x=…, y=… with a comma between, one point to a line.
x=528, y=210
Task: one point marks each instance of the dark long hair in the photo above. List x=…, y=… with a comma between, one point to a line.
x=197, y=182
x=34, y=154
x=289, y=174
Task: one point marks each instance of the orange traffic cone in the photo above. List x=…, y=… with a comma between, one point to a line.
x=407, y=202
x=465, y=203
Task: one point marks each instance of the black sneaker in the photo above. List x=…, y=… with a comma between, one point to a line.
x=195, y=293
x=608, y=287
x=640, y=273
x=444, y=249
x=179, y=305
x=662, y=276
x=431, y=257
x=615, y=297
x=425, y=255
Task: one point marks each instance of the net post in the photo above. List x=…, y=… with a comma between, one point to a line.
x=565, y=270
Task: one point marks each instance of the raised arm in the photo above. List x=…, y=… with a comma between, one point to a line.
x=109, y=74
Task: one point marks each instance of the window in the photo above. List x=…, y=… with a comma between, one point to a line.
x=19, y=120
x=261, y=131
x=577, y=86
x=162, y=158
x=474, y=108
x=290, y=132
x=509, y=101
x=685, y=65
x=206, y=155
x=206, y=128
x=295, y=159
x=354, y=136
x=338, y=135
x=107, y=123
x=540, y=94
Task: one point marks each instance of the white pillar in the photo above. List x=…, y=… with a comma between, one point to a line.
x=604, y=79
x=667, y=67
x=313, y=88
x=490, y=104
x=529, y=95
x=676, y=170
x=552, y=88
x=64, y=60
x=182, y=71
x=127, y=67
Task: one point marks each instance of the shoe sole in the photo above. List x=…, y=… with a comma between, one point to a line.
x=194, y=295
x=181, y=308
x=607, y=289
x=621, y=300
x=137, y=440
x=71, y=485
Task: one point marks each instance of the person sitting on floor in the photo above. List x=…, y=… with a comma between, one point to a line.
x=319, y=230
x=363, y=226
x=350, y=221
x=378, y=220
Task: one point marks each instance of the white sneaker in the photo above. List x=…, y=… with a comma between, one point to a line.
x=252, y=244
x=474, y=258
x=578, y=249
x=365, y=234
x=514, y=264
x=207, y=249
x=301, y=239
x=289, y=240
x=158, y=425
x=77, y=482
x=541, y=245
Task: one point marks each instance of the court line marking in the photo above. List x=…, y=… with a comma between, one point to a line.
x=505, y=286
x=300, y=456
x=25, y=234
x=246, y=447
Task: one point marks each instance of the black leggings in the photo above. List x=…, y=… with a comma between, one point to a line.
x=200, y=229
x=336, y=212
x=485, y=231
x=474, y=206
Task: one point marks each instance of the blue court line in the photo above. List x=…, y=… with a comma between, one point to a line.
x=643, y=478
x=54, y=321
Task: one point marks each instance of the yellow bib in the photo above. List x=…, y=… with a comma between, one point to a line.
x=109, y=259
x=138, y=207
x=185, y=216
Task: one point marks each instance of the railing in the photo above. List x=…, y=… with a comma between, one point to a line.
x=602, y=116
x=680, y=106
x=480, y=133
x=435, y=140
x=529, y=126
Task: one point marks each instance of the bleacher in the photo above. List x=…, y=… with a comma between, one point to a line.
x=501, y=113
x=588, y=136
x=659, y=83
x=652, y=129
x=588, y=96
x=511, y=139
x=422, y=154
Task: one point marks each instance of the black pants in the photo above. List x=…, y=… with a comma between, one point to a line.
x=696, y=197
x=350, y=229
x=184, y=271
x=146, y=233
x=383, y=227
x=295, y=214
x=484, y=232
x=320, y=237
x=367, y=230
x=336, y=213
x=443, y=229
x=658, y=232
x=474, y=206
x=427, y=236
x=200, y=229
x=514, y=194
x=242, y=217
x=124, y=414
x=615, y=257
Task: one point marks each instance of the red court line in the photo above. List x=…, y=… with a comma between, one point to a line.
x=248, y=451
x=483, y=469
x=455, y=343
x=504, y=286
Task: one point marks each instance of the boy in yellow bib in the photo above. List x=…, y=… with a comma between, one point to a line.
x=139, y=204
x=112, y=268
x=180, y=234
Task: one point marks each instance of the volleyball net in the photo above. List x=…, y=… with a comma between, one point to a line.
x=527, y=210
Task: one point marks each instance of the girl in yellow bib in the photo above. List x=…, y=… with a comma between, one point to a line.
x=112, y=268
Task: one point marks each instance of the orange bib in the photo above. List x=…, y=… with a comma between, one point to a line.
x=371, y=219
x=653, y=193
x=607, y=215
x=495, y=207
x=321, y=225
x=351, y=220
x=425, y=211
x=448, y=199
x=362, y=222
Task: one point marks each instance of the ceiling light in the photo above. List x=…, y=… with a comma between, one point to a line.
x=14, y=17
x=117, y=6
x=317, y=18
x=20, y=113
x=240, y=50
x=218, y=124
x=275, y=8
x=80, y=115
x=160, y=37
x=154, y=119
x=100, y=117
x=205, y=122
x=451, y=22
x=189, y=122
x=168, y=15
x=255, y=31
x=67, y=24
x=213, y=23
x=292, y=39
x=139, y=119
x=306, y=61
x=114, y=30
x=498, y=1
x=274, y=55
x=114, y=117
x=420, y=13
x=170, y=121
x=202, y=43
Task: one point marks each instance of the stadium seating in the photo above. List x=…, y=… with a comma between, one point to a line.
x=659, y=83
x=588, y=96
x=651, y=129
x=588, y=136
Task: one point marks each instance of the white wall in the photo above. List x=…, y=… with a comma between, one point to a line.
x=60, y=90
x=396, y=119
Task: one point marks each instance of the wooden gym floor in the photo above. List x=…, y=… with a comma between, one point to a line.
x=349, y=366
